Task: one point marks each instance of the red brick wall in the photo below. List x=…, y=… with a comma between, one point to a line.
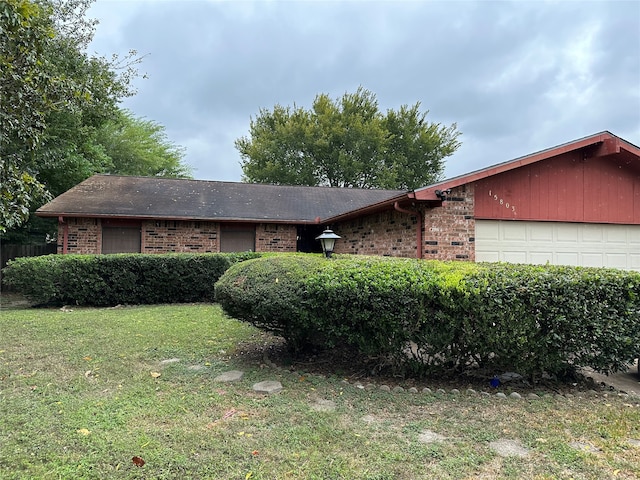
x=83, y=235
x=449, y=230
x=160, y=236
x=276, y=238
x=388, y=233
x=164, y=236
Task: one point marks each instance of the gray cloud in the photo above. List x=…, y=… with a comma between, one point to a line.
x=516, y=77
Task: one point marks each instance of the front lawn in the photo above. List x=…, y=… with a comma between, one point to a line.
x=84, y=391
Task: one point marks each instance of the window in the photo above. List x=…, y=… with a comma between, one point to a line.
x=120, y=239
x=237, y=238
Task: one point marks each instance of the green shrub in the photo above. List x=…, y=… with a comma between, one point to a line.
x=546, y=318
x=370, y=304
x=437, y=317
x=107, y=280
x=269, y=293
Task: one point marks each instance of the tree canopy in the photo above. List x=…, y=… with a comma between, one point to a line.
x=60, y=117
x=138, y=146
x=346, y=143
x=122, y=145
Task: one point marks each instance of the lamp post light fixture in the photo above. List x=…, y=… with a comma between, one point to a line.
x=328, y=241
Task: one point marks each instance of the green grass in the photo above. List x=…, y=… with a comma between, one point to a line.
x=80, y=396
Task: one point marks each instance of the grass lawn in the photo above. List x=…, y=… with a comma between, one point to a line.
x=83, y=392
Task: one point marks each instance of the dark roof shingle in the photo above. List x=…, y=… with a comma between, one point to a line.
x=168, y=198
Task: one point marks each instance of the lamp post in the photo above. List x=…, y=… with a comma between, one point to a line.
x=328, y=240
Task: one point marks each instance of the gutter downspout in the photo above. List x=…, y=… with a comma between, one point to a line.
x=65, y=234
x=418, y=215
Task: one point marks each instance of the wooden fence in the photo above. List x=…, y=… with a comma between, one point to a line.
x=9, y=252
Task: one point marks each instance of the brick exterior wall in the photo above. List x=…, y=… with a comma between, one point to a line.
x=84, y=235
x=388, y=233
x=449, y=230
x=168, y=236
x=272, y=237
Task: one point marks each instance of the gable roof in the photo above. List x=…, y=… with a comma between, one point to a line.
x=179, y=199
x=597, y=145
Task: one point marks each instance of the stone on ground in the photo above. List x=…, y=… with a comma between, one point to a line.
x=585, y=447
x=322, y=405
x=369, y=419
x=169, y=361
x=430, y=437
x=509, y=448
x=230, y=376
x=508, y=376
x=267, y=387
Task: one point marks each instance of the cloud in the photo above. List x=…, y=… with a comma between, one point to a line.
x=516, y=77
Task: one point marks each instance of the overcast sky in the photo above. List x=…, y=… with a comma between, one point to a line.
x=516, y=77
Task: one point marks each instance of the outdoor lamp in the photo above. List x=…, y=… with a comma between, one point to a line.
x=328, y=240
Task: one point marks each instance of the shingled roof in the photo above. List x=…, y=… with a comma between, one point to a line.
x=178, y=199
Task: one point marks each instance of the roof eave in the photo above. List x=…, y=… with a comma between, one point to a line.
x=609, y=143
x=366, y=210
x=174, y=218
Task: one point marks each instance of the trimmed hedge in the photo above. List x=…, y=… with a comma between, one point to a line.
x=107, y=280
x=429, y=317
x=269, y=295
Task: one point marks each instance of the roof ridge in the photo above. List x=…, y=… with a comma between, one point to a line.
x=257, y=184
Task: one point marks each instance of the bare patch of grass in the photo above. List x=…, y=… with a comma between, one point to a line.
x=84, y=391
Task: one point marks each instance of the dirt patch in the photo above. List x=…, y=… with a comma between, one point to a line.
x=623, y=382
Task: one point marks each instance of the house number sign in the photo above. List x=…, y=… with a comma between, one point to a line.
x=502, y=202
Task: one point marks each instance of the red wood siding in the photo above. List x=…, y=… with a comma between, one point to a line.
x=566, y=188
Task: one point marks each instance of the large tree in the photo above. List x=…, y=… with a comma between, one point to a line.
x=139, y=146
x=60, y=115
x=346, y=143
x=126, y=145
x=122, y=145
x=48, y=82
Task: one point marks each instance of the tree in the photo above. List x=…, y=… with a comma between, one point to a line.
x=126, y=145
x=26, y=90
x=138, y=146
x=60, y=119
x=46, y=79
x=346, y=143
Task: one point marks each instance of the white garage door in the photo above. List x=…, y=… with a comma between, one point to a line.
x=584, y=244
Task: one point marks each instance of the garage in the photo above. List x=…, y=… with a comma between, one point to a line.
x=558, y=243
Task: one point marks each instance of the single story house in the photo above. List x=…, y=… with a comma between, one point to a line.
x=575, y=204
